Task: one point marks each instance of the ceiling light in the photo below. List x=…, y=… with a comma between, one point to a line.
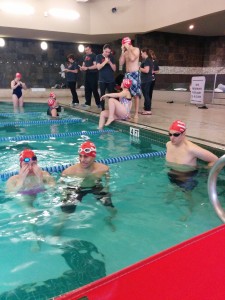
x=2, y=42
x=191, y=27
x=17, y=8
x=64, y=13
x=81, y=48
x=44, y=46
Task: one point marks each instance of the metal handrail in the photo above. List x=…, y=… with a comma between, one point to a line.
x=212, y=191
x=214, y=85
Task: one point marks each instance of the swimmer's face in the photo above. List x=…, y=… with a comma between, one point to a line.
x=106, y=52
x=86, y=161
x=30, y=165
x=176, y=137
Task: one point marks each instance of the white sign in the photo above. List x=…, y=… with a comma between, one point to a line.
x=134, y=131
x=197, y=89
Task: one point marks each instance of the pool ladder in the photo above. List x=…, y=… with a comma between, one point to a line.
x=212, y=191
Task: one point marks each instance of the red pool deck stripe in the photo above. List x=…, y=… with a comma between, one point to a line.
x=192, y=270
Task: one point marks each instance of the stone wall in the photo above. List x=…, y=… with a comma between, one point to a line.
x=180, y=57
x=39, y=68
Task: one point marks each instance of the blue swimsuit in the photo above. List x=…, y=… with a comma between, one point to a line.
x=18, y=91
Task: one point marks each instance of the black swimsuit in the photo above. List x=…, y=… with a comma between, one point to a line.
x=18, y=91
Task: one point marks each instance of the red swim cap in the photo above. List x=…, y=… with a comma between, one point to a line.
x=18, y=75
x=126, y=40
x=178, y=126
x=52, y=95
x=27, y=153
x=127, y=83
x=88, y=148
x=51, y=102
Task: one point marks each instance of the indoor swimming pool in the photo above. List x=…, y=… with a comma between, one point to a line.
x=152, y=214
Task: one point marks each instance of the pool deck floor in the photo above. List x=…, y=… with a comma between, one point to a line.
x=206, y=126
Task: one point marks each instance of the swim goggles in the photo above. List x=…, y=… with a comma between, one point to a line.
x=28, y=159
x=176, y=134
x=87, y=150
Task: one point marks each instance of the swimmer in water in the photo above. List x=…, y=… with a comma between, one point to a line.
x=17, y=86
x=85, y=178
x=181, y=158
x=54, y=107
x=117, y=110
x=31, y=180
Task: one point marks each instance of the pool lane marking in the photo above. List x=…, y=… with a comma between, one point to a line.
x=42, y=122
x=53, y=135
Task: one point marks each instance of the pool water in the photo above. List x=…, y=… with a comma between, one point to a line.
x=152, y=215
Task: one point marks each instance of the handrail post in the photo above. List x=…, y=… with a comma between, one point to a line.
x=212, y=190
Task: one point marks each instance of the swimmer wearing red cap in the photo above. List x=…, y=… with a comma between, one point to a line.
x=17, y=96
x=31, y=179
x=130, y=56
x=54, y=106
x=89, y=175
x=117, y=110
x=182, y=152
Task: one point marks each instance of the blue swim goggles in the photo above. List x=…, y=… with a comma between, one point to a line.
x=27, y=159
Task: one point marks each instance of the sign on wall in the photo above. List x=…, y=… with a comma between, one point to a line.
x=197, y=89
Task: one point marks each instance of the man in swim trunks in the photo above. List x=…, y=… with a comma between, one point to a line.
x=17, y=85
x=130, y=56
x=31, y=180
x=89, y=175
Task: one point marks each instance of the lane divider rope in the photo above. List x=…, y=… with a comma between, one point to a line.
x=107, y=161
x=42, y=122
x=53, y=135
x=32, y=113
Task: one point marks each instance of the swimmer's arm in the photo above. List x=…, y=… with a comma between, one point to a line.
x=122, y=57
x=70, y=171
x=48, y=179
x=24, y=85
x=204, y=155
x=14, y=184
x=13, y=86
x=115, y=95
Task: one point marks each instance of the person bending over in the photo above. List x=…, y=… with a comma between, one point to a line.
x=117, y=110
x=130, y=57
x=17, y=86
x=54, y=106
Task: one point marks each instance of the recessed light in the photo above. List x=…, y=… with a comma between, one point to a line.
x=64, y=13
x=2, y=42
x=44, y=46
x=191, y=27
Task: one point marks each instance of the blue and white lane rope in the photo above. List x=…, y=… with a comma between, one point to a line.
x=31, y=113
x=42, y=122
x=107, y=161
x=47, y=136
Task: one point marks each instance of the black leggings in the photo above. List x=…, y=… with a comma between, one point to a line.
x=109, y=86
x=91, y=86
x=72, y=86
x=145, y=87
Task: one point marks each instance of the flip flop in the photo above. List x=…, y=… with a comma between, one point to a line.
x=146, y=113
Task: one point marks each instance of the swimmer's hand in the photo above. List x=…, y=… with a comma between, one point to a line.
x=23, y=172
x=38, y=173
x=103, y=97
